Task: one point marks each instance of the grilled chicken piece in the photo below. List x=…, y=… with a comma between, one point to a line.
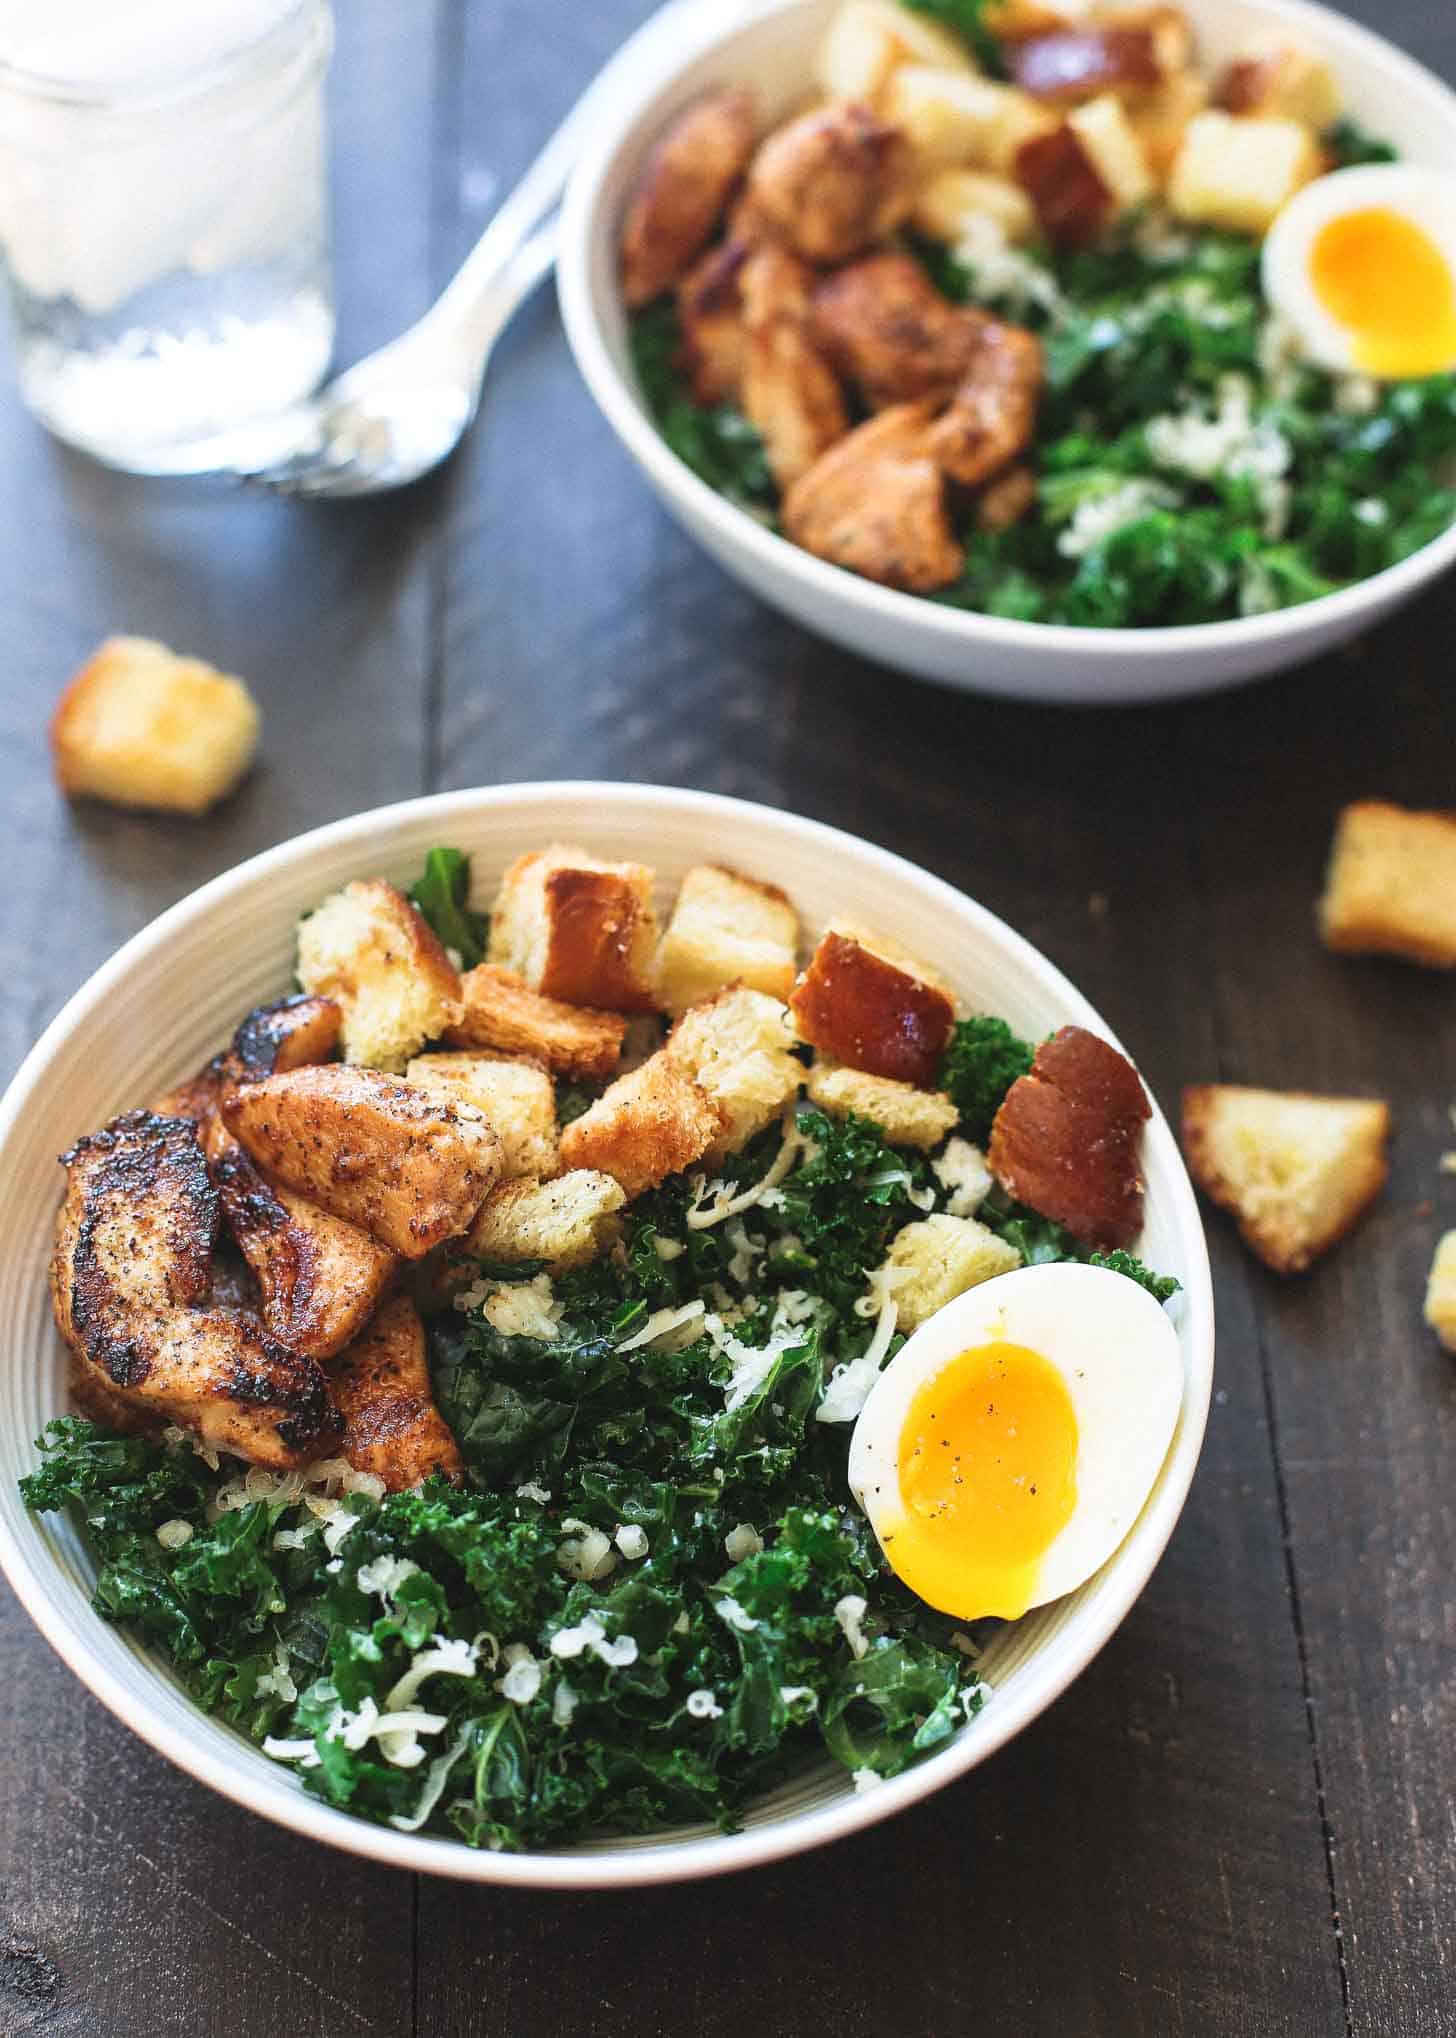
x=992, y=415
x=882, y=323
x=131, y=1284
x=832, y=182
x=789, y=391
x=319, y=1278
x=710, y=319
x=684, y=192
x=1006, y=500
x=875, y=503
x=1068, y=1135
x=407, y=1168
x=382, y=1385
x=285, y=1035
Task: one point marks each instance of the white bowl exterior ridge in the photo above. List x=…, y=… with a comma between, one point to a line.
x=768, y=44
x=230, y=946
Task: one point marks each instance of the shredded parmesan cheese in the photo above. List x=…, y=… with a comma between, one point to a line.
x=660, y=1323
x=850, y=1612
x=714, y=1201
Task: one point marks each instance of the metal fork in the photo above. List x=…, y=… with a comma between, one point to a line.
x=399, y=412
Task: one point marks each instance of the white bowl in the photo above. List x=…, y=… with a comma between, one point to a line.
x=172, y=996
x=768, y=44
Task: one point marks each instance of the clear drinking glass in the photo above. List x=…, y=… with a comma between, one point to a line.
x=164, y=226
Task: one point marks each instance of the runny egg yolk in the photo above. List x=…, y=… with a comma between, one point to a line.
x=988, y=1478
x=1391, y=288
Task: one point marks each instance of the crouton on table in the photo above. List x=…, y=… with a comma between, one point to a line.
x=1067, y=1138
x=141, y=727
x=1391, y=888
x=906, y=1116
x=379, y=959
x=577, y=929
x=940, y=1257
x=1440, y=1311
x=724, y=929
x=567, y=1221
x=738, y=1047
x=499, y=1010
x=1296, y=1170
x=867, y=1003
x=516, y=1098
x=645, y=1126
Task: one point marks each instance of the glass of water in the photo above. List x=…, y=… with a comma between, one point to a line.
x=164, y=226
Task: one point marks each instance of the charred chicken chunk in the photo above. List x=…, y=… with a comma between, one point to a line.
x=407, y=1168
x=1066, y=1139
x=832, y=182
x=285, y=1035
x=883, y=324
x=790, y=393
x=710, y=319
x=392, y=1427
x=875, y=503
x=684, y=192
x=992, y=416
x=131, y=1284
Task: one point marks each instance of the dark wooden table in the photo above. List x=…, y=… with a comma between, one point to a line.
x=1240, y=1821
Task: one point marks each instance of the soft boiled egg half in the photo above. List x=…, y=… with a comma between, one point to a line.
x=1007, y=1449
x=1362, y=265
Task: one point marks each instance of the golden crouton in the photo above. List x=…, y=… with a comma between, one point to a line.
x=1297, y=1171
x=1391, y=888
x=1067, y=1139
x=1237, y=173
x=368, y=949
x=959, y=119
x=948, y=205
x=141, y=727
x=501, y=1012
x=739, y=1048
x=867, y=1003
x=868, y=39
x=726, y=929
x=1272, y=75
x=566, y=1222
x=1441, y=1292
x=577, y=928
x=941, y=1257
x=645, y=1126
x=1086, y=172
x=906, y=1116
x=1067, y=66
x=516, y=1098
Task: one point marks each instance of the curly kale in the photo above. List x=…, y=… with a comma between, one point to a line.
x=982, y=1062
x=967, y=19
x=442, y=894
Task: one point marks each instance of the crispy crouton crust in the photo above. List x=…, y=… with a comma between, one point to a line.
x=739, y=1048
x=1296, y=1170
x=906, y=1116
x=568, y=1221
x=517, y=1099
x=141, y=727
x=726, y=928
x=943, y=1256
x=577, y=928
x=866, y=1003
x=1440, y=1311
x=501, y=1011
x=645, y=1126
x=368, y=949
x=1066, y=1139
x=1391, y=887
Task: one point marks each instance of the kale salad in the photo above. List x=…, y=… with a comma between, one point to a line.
x=645, y=1596
x=1175, y=458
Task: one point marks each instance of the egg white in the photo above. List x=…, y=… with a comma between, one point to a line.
x=1117, y=1353
x=1426, y=198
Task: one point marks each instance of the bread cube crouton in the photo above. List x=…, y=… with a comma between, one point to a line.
x=1440, y=1311
x=577, y=928
x=568, y=1221
x=1272, y=76
x=368, y=949
x=645, y=1126
x=140, y=727
x=1237, y=173
x=1067, y=66
x=938, y=1258
x=738, y=1047
x=501, y=1012
x=726, y=929
x=868, y=1004
x=1391, y=887
x=868, y=39
x=906, y=1116
x=948, y=204
x=1114, y=151
x=1067, y=1139
x=1160, y=120
x=516, y=1098
x=1297, y=1171
x=960, y=118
